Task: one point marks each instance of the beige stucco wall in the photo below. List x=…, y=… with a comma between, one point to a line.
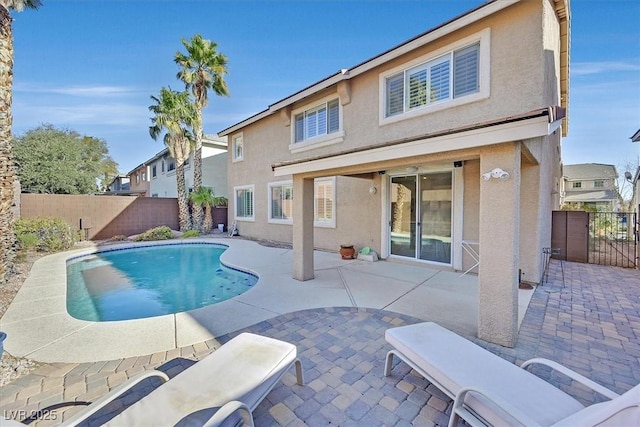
x=523, y=77
x=517, y=84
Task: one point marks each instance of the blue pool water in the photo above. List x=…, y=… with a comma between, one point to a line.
x=150, y=281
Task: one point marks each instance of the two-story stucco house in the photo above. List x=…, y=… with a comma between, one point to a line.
x=449, y=140
x=162, y=170
x=139, y=180
x=156, y=177
x=590, y=186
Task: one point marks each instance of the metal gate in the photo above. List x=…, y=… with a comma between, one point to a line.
x=613, y=239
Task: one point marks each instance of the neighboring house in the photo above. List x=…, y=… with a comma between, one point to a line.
x=404, y=153
x=162, y=169
x=590, y=186
x=139, y=180
x=158, y=174
x=119, y=185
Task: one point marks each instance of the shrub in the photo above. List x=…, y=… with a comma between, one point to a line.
x=119, y=238
x=28, y=240
x=190, y=233
x=44, y=234
x=159, y=233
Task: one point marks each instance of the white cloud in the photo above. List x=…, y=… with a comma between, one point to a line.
x=92, y=91
x=586, y=68
x=111, y=114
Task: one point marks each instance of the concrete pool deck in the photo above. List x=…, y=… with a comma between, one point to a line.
x=38, y=325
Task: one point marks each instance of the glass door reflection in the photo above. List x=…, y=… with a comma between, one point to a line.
x=403, y=216
x=435, y=217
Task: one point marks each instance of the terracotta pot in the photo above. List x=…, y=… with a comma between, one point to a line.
x=347, y=251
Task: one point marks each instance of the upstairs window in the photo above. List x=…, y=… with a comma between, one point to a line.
x=238, y=148
x=449, y=76
x=598, y=184
x=171, y=166
x=577, y=184
x=154, y=171
x=320, y=120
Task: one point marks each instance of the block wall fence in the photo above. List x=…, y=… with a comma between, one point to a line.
x=103, y=216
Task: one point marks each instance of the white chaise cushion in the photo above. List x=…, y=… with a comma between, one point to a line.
x=244, y=369
x=623, y=411
x=454, y=363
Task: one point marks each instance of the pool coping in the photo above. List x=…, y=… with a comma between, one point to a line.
x=38, y=325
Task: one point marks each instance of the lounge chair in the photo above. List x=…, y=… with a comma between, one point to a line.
x=488, y=390
x=222, y=389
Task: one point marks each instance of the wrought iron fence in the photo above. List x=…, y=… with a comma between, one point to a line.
x=613, y=239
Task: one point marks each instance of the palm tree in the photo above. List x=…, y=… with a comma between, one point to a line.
x=175, y=112
x=7, y=167
x=204, y=197
x=203, y=68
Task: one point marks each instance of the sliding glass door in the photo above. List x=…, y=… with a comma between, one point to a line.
x=421, y=212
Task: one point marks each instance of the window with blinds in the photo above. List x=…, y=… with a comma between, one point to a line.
x=450, y=76
x=324, y=206
x=320, y=120
x=281, y=202
x=244, y=203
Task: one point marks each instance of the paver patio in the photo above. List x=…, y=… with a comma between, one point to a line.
x=586, y=317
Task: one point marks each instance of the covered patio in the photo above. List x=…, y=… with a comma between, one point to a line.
x=501, y=194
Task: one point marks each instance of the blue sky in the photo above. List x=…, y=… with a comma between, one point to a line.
x=91, y=66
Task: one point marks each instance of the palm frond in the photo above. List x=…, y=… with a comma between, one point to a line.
x=20, y=5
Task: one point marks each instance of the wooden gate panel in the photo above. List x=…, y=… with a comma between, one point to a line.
x=570, y=234
x=577, y=236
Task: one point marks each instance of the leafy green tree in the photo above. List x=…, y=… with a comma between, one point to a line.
x=109, y=171
x=7, y=168
x=174, y=112
x=57, y=161
x=203, y=69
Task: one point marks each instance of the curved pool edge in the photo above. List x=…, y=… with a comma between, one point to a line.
x=130, y=282
x=39, y=327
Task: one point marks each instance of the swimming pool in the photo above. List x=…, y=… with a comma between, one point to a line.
x=148, y=281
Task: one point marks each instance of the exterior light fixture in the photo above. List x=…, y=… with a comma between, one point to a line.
x=495, y=173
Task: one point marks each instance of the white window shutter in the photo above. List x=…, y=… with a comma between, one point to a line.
x=466, y=70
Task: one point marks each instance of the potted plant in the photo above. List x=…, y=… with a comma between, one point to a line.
x=347, y=251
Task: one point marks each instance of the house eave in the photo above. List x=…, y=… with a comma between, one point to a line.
x=530, y=125
x=429, y=36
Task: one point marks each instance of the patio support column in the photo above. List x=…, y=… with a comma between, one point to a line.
x=303, y=228
x=499, y=246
